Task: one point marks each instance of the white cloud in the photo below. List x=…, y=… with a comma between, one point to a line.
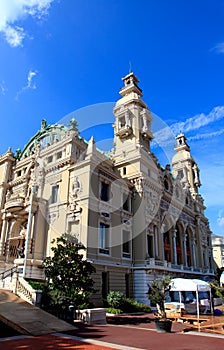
x=219, y=48
x=29, y=84
x=199, y=120
x=12, y=11
x=166, y=135
x=14, y=36
x=3, y=88
x=206, y=135
x=220, y=219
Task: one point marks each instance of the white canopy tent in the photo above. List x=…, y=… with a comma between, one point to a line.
x=191, y=285
x=222, y=279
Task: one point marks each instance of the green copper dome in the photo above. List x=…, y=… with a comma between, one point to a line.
x=46, y=136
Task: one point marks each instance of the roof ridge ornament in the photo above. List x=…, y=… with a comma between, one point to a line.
x=73, y=125
x=43, y=124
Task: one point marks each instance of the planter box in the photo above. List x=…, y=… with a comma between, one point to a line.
x=92, y=316
x=163, y=326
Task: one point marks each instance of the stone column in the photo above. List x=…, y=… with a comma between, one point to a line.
x=51, y=217
x=156, y=241
x=3, y=233
x=199, y=245
x=194, y=252
x=184, y=250
x=162, y=241
x=174, y=235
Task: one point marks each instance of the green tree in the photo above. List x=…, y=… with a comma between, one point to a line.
x=157, y=291
x=68, y=274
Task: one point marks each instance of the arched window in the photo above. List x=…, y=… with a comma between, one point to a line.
x=167, y=247
x=178, y=246
x=166, y=184
x=188, y=250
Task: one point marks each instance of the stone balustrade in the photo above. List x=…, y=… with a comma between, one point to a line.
x=24, y=290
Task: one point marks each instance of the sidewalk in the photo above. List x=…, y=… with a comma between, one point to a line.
x=125, y=337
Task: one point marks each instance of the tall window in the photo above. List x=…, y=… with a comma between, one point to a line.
x=126, y=244
x=188, y=251
x=122, y=122
x=105, y=188
x=126, y=202
x=178, y=247
x=104, y=238
x=54, y=194
x=150, y=246
x=167, y=247
x=105, y=284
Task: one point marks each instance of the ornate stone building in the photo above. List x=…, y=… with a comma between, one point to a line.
x=218, y=250
x=137, y=219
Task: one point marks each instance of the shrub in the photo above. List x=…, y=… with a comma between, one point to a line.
x=37, y=285
x=115, y=299
x=112, y=310
x=131, y=305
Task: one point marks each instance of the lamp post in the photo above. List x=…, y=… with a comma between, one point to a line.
x=29, y=227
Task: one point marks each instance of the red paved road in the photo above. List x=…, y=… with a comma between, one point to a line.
x=48, y=342
x=139, y=336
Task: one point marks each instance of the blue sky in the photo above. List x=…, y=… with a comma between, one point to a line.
x=61, y=56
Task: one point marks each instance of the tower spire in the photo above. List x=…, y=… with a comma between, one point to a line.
x=184, y=165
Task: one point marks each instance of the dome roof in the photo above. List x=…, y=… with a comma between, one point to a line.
x=47, y=135
x=180, y=156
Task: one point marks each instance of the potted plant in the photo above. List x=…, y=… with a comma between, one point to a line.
x=157, y=291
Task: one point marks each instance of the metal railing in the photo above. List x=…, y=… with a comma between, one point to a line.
x=8, y=273
x=20, y=286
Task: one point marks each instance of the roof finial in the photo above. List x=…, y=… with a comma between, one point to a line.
x=130, y=68
x=43, y=124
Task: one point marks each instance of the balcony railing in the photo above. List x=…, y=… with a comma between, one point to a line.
x=159, y=264
x=15, y=202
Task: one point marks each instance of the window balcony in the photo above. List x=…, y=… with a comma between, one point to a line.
x=14, y=203
x=126, y=255
x=124, y=131
x=147, y=134
x=104, y=251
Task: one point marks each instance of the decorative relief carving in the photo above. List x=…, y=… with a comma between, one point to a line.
x=52, y=217
x=76, y=187
x=105, y=217
x=138, y=183
x=203, y=234
x=126, y=218
x=152, y=202
x=73, y=206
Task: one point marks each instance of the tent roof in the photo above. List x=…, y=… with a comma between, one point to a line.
x=222, y=277
x=183, y=284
